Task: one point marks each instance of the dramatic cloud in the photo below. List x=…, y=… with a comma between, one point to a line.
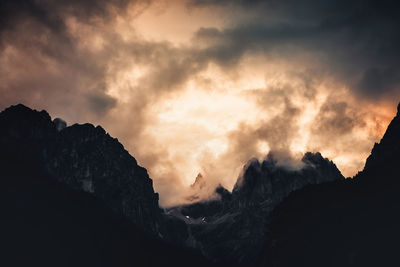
x=357, y=41
x=204, y=86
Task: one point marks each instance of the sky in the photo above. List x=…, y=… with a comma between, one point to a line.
x=204, y=86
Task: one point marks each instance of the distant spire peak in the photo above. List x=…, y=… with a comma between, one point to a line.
x=199, y=182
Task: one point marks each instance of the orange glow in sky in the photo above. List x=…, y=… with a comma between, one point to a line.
x=181, y=104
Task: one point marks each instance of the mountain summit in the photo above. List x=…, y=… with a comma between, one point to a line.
x=84, y=157
x=353, y=222
x=73, y=196
x=232, y=228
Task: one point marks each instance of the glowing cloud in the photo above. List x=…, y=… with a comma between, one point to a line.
x=204, y=86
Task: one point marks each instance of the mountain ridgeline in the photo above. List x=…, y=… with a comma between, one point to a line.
x=73, y=196
x=84, y=158
x=232, y=228
x=353, y=222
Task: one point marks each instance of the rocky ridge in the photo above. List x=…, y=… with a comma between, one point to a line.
x=86, y=158
x=232, y=228
x=276, y=215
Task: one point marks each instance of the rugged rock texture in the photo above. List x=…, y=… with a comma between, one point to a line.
x=344, y=223
x=268, y=181
x=85, y=158
x=73, y=196
x=232, y=229
x=46, y=223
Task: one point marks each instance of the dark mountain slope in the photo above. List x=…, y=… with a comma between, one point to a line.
x=85, y=158
x=73, y=196
x=49, y=220
x=344, y=223
x=45, y=223
x=232, y=229
x=382, y=166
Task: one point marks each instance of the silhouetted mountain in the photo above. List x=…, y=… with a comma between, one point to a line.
x=231, y=229
x=72, y=196
x=44, y=223
x=85, y=158
x=343, y=223
x=381, y=167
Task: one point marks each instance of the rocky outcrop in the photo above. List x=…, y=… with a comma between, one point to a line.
x=85, y=158
x=47, y=223
x=231, y=228
x=267, y=181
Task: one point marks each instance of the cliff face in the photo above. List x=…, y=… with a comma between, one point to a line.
x=269, y=182
x=346, y=223
x=384, y=159
x=85, y=158
x=232, y=229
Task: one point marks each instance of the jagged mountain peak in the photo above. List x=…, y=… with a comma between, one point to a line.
x=82, y=156
x=356, y=220
x=21, y=109
x=23, y=115
x=384, y=155
x=310, y=157
x=232, y=227
x=23, y=121
x=260, y=179
x=199, y=182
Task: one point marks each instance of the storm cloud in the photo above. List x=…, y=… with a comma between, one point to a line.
x=203, y=86
x=357, y=41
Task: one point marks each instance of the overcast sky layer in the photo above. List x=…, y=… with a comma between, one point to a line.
x=204, y=86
